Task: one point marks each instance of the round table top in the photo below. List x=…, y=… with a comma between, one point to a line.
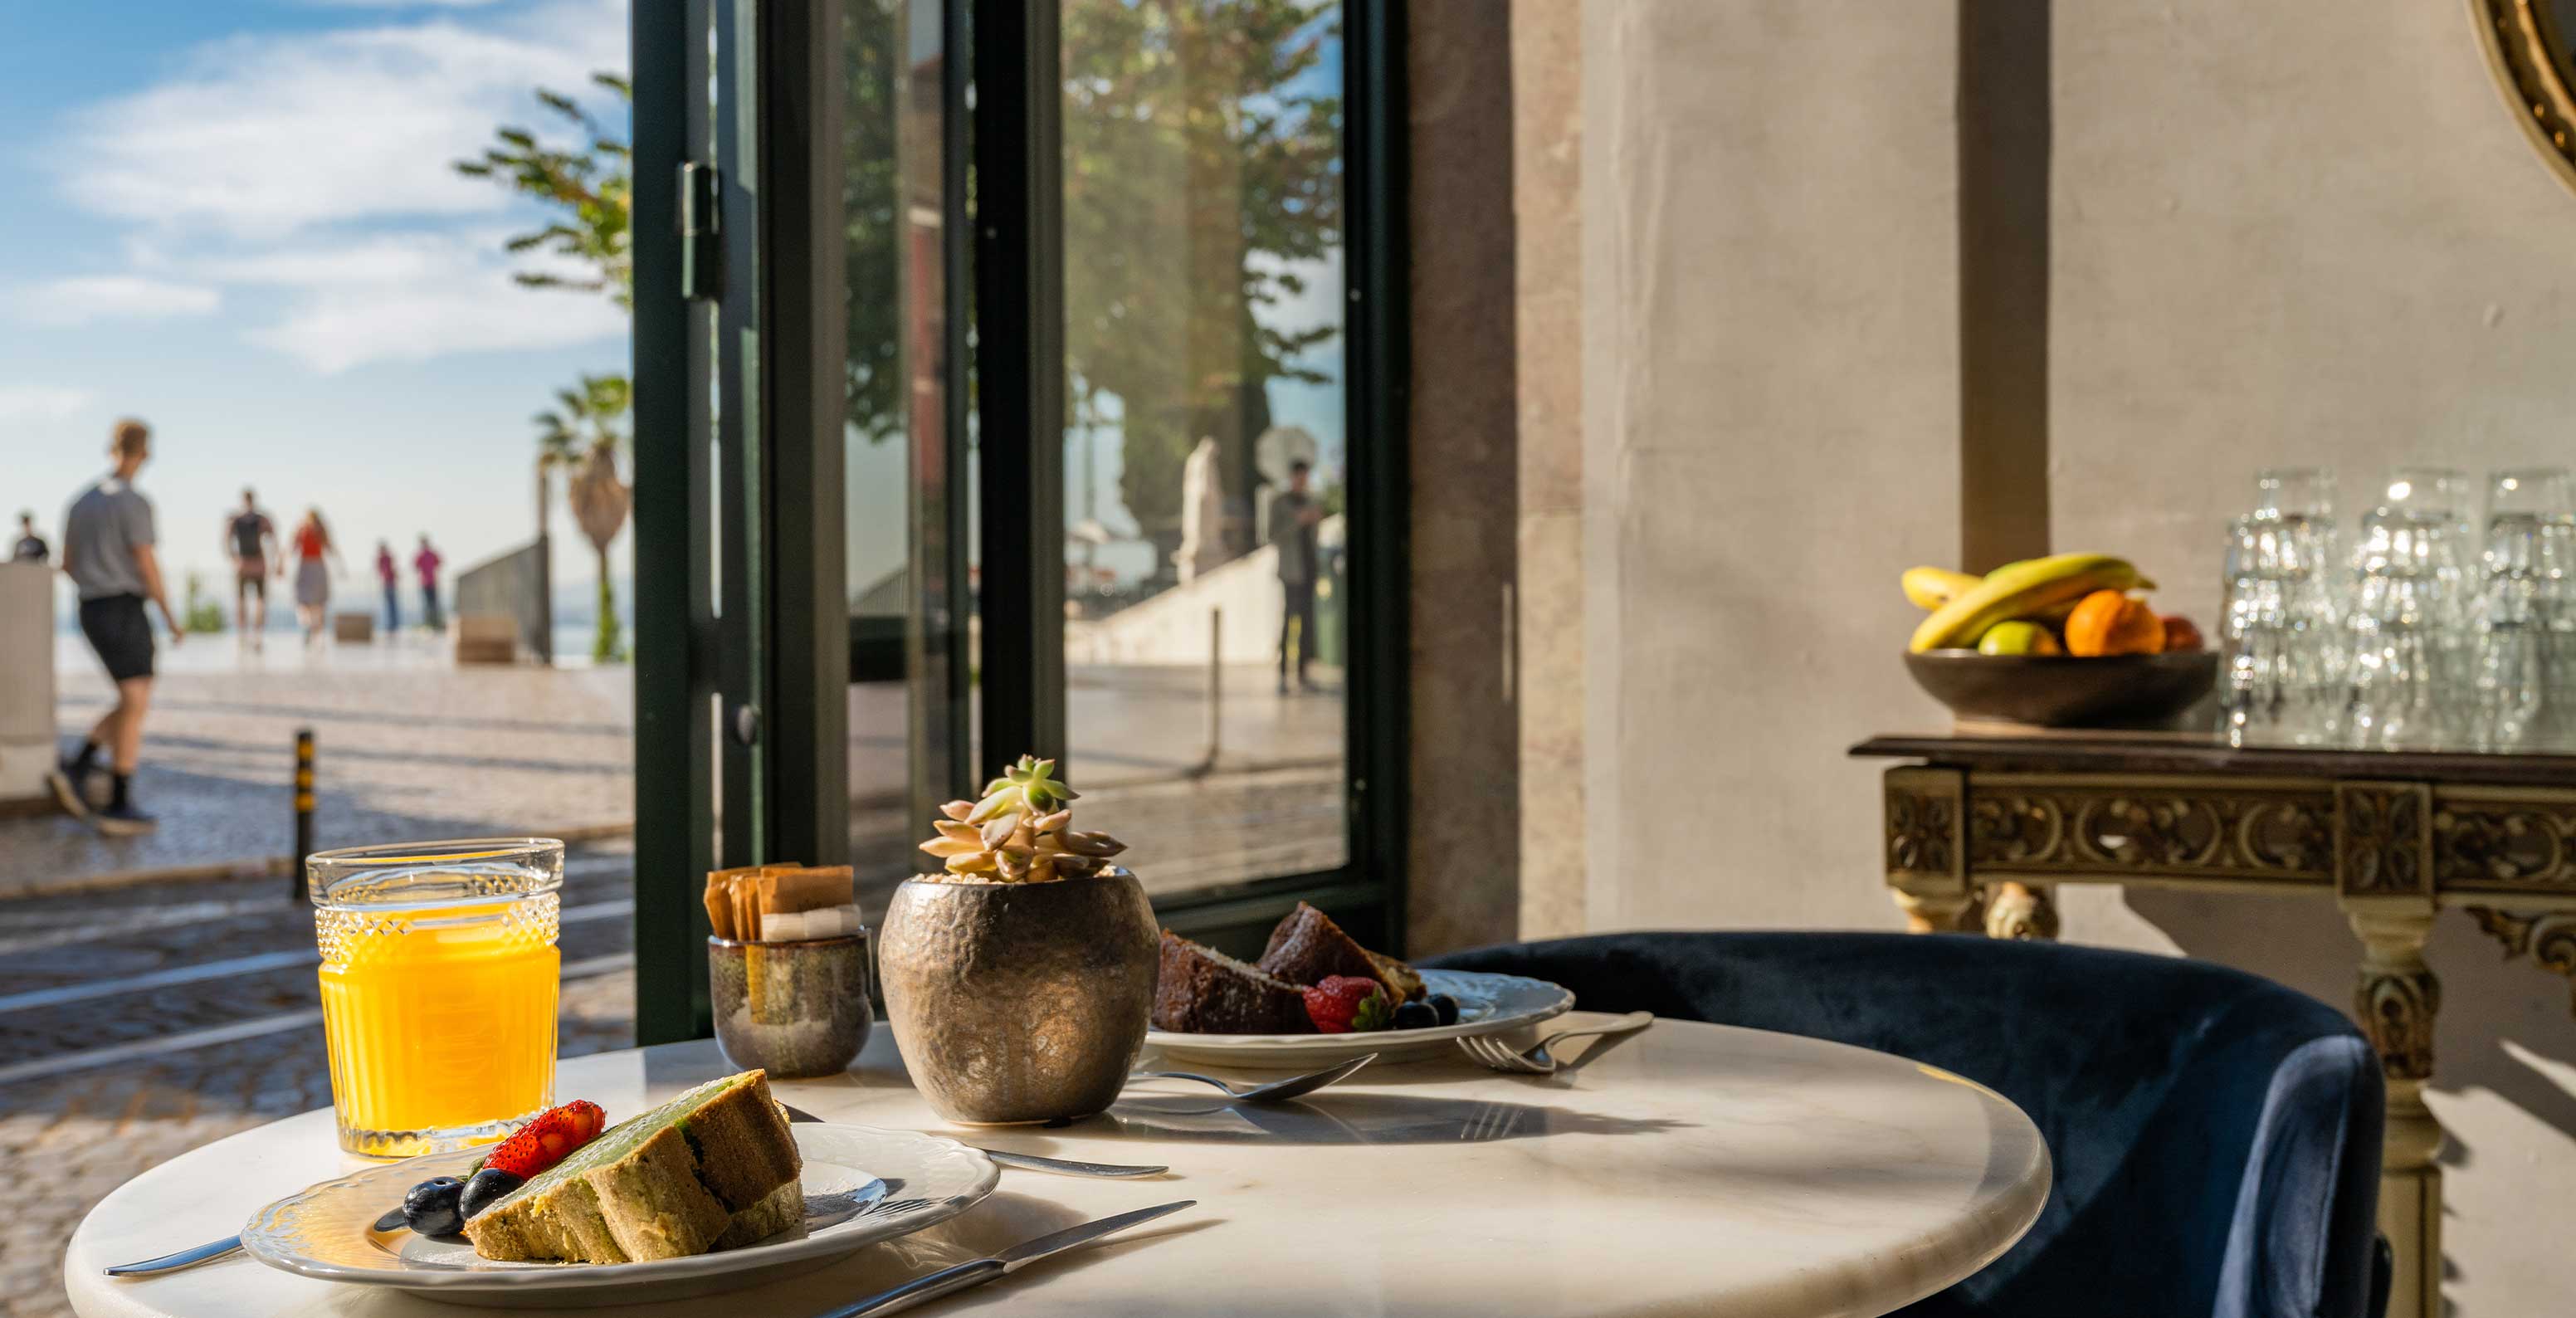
x=1696, y=1169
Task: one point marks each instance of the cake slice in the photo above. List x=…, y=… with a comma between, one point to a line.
x=713, y=1168
x=1308, y=948
x=1200, y=990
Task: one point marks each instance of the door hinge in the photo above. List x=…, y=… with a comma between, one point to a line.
x=701, y=248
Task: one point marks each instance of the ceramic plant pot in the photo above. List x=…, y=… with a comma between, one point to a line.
x=1019, y=1002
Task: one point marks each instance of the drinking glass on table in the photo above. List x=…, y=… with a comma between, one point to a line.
x=439, y=978
x=2525, y=649
x=2279, y=637
x=2404, y=684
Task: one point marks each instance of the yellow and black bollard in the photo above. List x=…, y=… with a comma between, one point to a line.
x=303, y=812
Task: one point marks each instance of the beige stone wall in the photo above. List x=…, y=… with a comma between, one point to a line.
x=1770, y=402
x=2292, y=232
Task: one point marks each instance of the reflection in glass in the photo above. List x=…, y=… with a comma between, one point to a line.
x=1204, y=456
x=899, y=535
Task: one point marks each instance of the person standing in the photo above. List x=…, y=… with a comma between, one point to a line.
x=108, y=553
x=391, y=576
x=1293, y=517
x=31, y=547
x=426, y=562
x=252, y=538
x=312, y=575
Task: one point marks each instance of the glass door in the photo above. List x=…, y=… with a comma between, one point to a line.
x=1018, y=375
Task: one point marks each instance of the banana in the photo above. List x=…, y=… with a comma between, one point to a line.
x=2020, y=590
x=1931, y=587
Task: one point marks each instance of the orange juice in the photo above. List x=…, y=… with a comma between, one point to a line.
x=438, y=999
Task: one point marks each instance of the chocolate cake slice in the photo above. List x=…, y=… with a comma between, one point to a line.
x=1308, y=948
x=1200, y=990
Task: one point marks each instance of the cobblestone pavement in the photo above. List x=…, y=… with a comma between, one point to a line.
x=76, y=976
x=411, y=748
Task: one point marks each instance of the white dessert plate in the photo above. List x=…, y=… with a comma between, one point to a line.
x=1487, y=1004
x=327, y=1231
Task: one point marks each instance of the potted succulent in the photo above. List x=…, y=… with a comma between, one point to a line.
x=1019, y=978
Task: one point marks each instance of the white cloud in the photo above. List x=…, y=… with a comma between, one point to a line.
x=411, y=298
x=82, y=299
x=313, y=173
x=22, y=404
x=263, y=135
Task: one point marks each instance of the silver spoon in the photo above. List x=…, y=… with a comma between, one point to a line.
x=1034, y=1163
x=1277, y=1091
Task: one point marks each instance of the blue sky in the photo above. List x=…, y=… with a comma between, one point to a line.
x=236, y=221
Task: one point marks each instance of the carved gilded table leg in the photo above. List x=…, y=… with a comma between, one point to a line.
x=1927, y=857
x=2021, y=910
x=2384, y=882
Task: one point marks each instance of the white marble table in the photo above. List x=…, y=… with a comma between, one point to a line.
x=1698, y=1169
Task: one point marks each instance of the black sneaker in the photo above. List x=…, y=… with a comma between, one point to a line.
x=122, y=821
x=66, y=783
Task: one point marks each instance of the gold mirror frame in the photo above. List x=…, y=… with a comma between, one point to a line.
x=2533, y=67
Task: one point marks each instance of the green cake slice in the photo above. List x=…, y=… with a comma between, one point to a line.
x=713, y=1168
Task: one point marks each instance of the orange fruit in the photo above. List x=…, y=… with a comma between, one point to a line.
x=2108, y=622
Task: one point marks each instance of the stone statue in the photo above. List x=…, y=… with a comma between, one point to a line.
x=1202, y=512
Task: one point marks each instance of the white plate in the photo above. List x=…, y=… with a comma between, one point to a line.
x=1487, y=1004
x=325, y=1231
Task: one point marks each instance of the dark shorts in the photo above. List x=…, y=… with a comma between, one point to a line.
x=122, y=635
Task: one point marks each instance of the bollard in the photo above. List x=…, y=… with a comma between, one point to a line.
x=303, y=813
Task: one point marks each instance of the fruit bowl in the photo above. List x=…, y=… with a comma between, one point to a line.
x=2062, y=691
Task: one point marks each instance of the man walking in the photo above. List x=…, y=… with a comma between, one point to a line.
x=31, y=547
x=427, y=561
x=1293, y=515
x=107, y=552
x=252, y=538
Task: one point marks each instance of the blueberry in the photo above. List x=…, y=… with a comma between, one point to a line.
x=1447, y=1007
x=1415, y=1016
x=488, y=1184
x=430, y=1207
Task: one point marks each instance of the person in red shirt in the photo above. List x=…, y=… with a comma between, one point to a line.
x=426, y=562
x=391, y=576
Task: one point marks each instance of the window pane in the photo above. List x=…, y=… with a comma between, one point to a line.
x=897, y=533
x=1204, y=450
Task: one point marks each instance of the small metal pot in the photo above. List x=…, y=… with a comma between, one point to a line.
x=1019, y=1002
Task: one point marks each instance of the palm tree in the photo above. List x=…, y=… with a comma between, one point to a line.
x=582, y=435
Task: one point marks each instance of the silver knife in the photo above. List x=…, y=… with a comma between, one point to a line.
x=948, y=1281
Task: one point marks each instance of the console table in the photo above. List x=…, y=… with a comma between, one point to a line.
x=1979, y=827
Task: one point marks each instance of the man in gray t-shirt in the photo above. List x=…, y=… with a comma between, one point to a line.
x=108, y=553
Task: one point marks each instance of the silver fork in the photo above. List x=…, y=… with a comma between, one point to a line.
x=1277, y=1091
x=1497, y=1055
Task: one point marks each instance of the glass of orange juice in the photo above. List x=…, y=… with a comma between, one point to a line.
x=439, y=976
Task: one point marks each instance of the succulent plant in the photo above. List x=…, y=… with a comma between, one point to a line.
x=1020, y=831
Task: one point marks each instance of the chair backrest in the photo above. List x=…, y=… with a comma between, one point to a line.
x=2215, y=1135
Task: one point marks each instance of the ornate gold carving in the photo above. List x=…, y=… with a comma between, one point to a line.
x=1923, y=829
x=2397, y=1008
x=2527, y=55
x=2129, y=829
x=2515, y=845
x=2018, y=910
x=2383, y=839
x=2549, y=937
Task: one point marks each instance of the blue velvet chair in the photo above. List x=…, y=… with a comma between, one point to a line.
x=2215, y=1135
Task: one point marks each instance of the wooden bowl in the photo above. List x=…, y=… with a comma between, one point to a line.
x=2062, y=691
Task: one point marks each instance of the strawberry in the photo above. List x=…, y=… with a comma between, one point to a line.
x=543, y=1142
x=1348, y=1004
